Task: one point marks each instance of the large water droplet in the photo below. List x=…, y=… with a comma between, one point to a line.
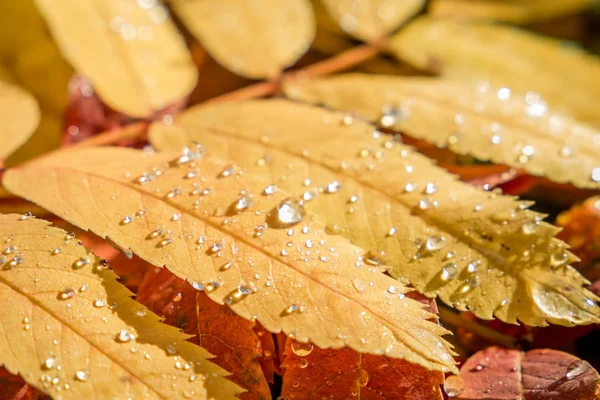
x=454, y=385
x=449, y=272
x=125, y=336
x=577, y=368
x=558, y=259
x=435, y=243
x=302, y=349
x=287, y=213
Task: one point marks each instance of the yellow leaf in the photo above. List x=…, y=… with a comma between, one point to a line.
x=29, y=57
x=256, y=39
x=238, y=238
x=484, y=122
x=371, y=19
x=19, y=117
x=72, y=330
x=476, y=250
x=565, y=77
x=521, y=11
x=131, y=52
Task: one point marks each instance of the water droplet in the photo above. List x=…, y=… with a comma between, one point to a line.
x=302, y=363
x=302, y=349
x=126, y=220
x=474, y=281
x=125, y=336
x=309, y=195
x=239, y=294
x=577, y=368
x=191, y=153
x=292, y=309
x=50, y=363
x=99, y=303
x=242, y=204
x=596, y=175
x=192, y=174
x=269, y=190
x=424, y=204
x=558, y=259
x=10, y=250
x=332, y=229
x=430, y=188
x=227, y=172
x=287, y=213
x=332, y=187
x=435, y=243
x=392, y=289
x=103, y=264
x=55, y=251
x=454, y=385
x=176, y=217
x=449, y=271
x=165, y=242
x=215, y=248
x=81, y=375
x=374, y=258
x=391, y=232
x=530, y=228
x=496, y=140
x=66, y=294
x=83, y=261
x=478, y=207
x=473, y=266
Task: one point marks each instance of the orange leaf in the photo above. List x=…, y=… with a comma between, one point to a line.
x=313, y=373
x=502, y=374
x=219, y=330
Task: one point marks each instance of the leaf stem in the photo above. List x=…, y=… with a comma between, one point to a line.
x=337, y=63
x=456, y=319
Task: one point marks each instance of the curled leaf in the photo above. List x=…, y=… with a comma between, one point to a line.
x=488, y=124
x=523, y=11
x=255, y=39
x=73, y=331
x=239, y=239
x=371, y=19
x=476, y=250
x=130, y=51
x=19, y=118
x=505, y=57
x=535, y=375
x=212, y=326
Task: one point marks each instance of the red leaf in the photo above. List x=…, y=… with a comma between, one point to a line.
x=13, y=387
x=313, y=373
x=232, y=339
x=503, y=374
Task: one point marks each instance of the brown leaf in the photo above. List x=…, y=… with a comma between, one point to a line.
x=215, y=327
x=581, y=230
x=501, y=374
x=313, y=373
x=13, y=387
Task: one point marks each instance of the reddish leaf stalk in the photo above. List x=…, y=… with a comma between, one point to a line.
x=340, y=62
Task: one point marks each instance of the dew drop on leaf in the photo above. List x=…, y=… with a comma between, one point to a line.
x=287, y=213
x=81, y=375
x=454, y=385
x=242, y=204
x=435, y=243
x=50, y=363
x=363, y=377
x=332, y=187
x=449, y=271
x=302, y=363
x=66, y=294
x=269, y=190
x=558, y=259
x=302, y=349
x=577, y=368
x=125, y=336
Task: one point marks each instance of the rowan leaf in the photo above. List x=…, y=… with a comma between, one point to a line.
x=236, y=237
x=313, y=373
x=281, y=32
x=535, y=375
x=19, y=119
x=476, y=250
x=485, y=124
x=131, y=52
x=28, y=58
x=73, y=331
x=505, y=57
x=508, y=11
x=371, y=19
x=214, y=327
